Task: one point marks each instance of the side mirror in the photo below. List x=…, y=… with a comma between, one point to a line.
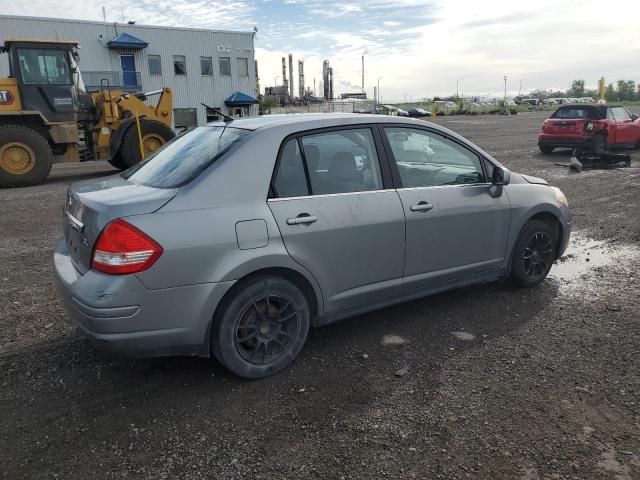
x=500, y=178
x=634, y=117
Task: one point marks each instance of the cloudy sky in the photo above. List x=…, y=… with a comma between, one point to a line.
x=419, y=47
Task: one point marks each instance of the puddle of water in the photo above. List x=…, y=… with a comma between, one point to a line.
x=585, y=254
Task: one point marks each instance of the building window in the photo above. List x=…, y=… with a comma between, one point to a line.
x=243, y=66
x=212, y=115
x=185, y=117
x=155, y=67
x=225, y=66
x=206, y=66
x=179, y=65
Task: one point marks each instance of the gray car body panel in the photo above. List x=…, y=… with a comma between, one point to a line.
x=221, y=227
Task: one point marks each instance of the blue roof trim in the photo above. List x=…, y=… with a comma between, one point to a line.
x=125, y=40
x=239, y=98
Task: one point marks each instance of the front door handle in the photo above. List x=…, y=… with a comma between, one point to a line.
x=421, y=206
x=303, y=218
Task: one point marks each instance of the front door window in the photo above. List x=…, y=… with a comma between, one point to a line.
x=426, y=159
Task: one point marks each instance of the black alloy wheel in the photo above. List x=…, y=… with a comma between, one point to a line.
x=534, y=253
x=267, y=329
x=260, y=326
x=537, y=257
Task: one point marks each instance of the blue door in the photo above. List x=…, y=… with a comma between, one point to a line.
x=128, y=64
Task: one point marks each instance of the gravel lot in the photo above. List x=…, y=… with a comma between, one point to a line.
x=500, y=383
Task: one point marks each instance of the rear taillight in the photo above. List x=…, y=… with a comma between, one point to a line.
x=121, y=248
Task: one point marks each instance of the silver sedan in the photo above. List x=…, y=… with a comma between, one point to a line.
x=235, y=238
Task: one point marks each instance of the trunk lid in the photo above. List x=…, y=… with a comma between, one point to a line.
x=92, y=204
x=565, y=126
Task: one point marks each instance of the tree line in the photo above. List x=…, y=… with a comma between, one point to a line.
x=614, y=92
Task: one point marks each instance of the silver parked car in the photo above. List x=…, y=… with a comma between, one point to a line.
x=235, y=238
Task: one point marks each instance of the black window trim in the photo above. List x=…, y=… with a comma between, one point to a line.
x=385, y=171
x=395, y=172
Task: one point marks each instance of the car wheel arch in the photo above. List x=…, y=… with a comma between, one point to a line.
x=551, y=219
x=311, y=292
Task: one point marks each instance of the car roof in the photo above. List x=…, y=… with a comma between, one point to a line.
x=308, y=121
x=598, y=106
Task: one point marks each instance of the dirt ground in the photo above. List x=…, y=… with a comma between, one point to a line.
x=500, y=383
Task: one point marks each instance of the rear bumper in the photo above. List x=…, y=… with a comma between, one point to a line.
x=547, y=140
x=118, y=314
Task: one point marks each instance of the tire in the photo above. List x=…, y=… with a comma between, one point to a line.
x=251, y=344
x=545, y=148
x=25, y=156
x=129, y=150
x=533, y=254
x=117, y=162
x=598, y=144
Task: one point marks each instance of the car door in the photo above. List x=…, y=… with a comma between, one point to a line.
x=626, y=130
x=454, y=228
x=336, y=217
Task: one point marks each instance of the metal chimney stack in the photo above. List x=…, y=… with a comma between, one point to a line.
x=285, y=84
x=301, y=79
x=330, y=83
x=291, y=75
x=325, y=79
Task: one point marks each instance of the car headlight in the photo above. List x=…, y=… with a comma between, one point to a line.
x=560, y=197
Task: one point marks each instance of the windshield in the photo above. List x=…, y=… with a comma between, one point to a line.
x=44, y=66
x=182, y=160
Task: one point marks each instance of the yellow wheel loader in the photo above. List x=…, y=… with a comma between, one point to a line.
x=46, y=114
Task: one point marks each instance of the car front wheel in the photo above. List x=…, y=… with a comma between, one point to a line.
x=533, y=254
x=261, y=328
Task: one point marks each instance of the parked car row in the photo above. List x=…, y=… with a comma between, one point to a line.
x=235, y=238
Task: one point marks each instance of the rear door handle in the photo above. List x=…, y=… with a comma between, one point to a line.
x=303, y=218
x=421, y=206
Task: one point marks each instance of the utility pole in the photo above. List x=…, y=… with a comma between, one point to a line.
x=363, y=73
x=379, y=78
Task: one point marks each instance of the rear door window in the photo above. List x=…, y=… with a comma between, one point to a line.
x=340, y=161
x=291, y=179
x=184, y=158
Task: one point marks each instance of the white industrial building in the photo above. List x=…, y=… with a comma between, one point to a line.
x=213, y=67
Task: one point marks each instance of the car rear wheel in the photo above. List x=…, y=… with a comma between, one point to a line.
x=533, y=254
x=261, y=327
x=545, y=148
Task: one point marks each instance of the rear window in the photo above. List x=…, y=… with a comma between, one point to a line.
x=182, y=160
x=576, y=113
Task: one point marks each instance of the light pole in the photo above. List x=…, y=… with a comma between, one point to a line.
x=378, y=100
x=505, y=94
x=520, y=89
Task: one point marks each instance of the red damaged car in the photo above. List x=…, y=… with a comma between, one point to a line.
x=596, y=127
